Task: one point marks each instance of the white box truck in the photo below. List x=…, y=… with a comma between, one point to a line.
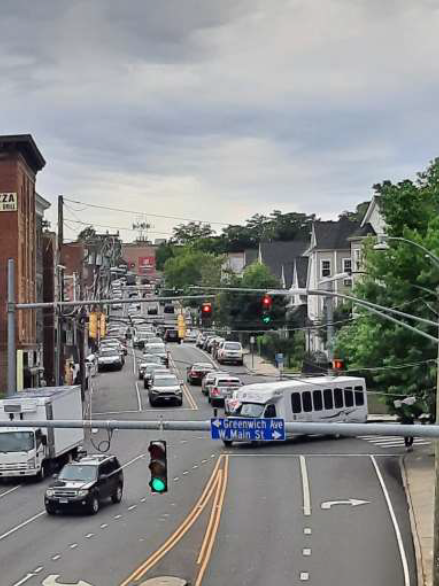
x=31, y=451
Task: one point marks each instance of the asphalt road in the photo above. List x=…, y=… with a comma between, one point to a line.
x=280, y=514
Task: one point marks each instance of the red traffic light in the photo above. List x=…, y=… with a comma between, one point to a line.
x=338, y=364
x=206, y=309
x=267, y=301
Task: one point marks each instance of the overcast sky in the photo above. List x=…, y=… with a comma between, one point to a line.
x=219, y=109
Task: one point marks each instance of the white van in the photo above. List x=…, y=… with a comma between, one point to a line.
x=318, y=399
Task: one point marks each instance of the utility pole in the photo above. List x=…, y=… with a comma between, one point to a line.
x=330, y=323
x=12, y=351
x=59, y=378
x=60, y=225
x=436, y=486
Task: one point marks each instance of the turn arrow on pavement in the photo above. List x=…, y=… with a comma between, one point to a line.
x=52, y=581
x=352, y=502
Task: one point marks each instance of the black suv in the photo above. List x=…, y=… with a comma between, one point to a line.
x=84, y=484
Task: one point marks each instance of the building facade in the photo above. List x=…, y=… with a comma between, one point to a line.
x=20, y=161
x=140, y=258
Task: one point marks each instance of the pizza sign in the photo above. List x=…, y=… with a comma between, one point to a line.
x=8, y=202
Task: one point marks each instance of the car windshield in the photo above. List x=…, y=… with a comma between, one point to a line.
x=108, y=353
x=157, y=350
x=250, y=410
x=155, y=367
x=85, y=473
x=17, y=441
x=232, y=346
x=165, y=382
x=229, y=382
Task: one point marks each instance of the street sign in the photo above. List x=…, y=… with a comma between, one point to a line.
x=241, y=429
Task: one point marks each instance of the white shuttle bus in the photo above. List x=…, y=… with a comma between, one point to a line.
x=324, y=399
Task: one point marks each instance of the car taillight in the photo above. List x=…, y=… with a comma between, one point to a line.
x=215, y=391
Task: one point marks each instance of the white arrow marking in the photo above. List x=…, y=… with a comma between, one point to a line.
x=52, y=581
x=352, y=502
x=276, y=435
x=216, y=423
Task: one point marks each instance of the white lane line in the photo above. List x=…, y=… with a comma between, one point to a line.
x=404, y=562
x=203, y=461
x=183, y=441
x=89, y=535
x=142, y=500
x=307, y=531
x=73, y=546
x=38, y=570
x=304, y=576
x=21, y=525
x=117, y=517
x=104, y=525
x=56, y=557
x=132, y=461
x=185, y=472
x=23, y=580
x=194, y=466
x=176, y=478
x=132, y=507
x=305, y=487
x=306, y=551
x=314, y=455
x=2, y=494
x=139, y=397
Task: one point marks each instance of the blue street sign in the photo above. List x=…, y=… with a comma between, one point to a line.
x=240, y=429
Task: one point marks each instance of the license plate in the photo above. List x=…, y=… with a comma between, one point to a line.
x=63, y=501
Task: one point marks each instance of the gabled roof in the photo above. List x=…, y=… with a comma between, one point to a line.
x=333, y=235
x=276, y=254
x=250, y=256
x=362, y=232
x=374, y=202
x=301, y=263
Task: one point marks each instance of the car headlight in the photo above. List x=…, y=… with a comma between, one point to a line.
x=31, y=462
x=178, y=391
x=50, y=492
x=82, y=493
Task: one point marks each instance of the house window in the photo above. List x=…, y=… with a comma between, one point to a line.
x=357, y=258
x=325, y=268
x=347, y=265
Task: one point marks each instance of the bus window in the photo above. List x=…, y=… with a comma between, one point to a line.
x=296, y=405
x=338, y=398
x=317, y=400
x=327, y=397
x=348, y=397
x=306, y=398
x=359, y=397
x=270, y=411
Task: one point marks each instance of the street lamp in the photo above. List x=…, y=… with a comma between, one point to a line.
x=382, y=245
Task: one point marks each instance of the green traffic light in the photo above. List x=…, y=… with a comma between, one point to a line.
x=158, y=485
x=266, y=319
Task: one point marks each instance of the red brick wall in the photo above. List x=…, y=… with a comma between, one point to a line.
x=17, y=241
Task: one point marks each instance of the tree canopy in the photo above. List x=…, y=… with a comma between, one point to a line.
x=400, y=277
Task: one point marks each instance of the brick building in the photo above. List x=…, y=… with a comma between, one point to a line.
x=20, y=161
x=49, y=241
x=140, y=257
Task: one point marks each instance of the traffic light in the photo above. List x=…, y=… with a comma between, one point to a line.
x=158, y=465
x=267, y=302
x=93, y=325
x=206, y=312
x=103, y=325
x=338, y=364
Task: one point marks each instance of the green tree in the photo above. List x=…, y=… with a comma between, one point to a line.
x=192, y=267
x=191, y=232
x=399, y=277
x=242, y=311
x=164, y=251
x=87, y=234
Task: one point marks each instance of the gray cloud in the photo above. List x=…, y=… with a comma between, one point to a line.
x=225, y=108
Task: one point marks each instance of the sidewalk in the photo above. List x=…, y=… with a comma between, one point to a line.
x=260, y=365
x=419, y=480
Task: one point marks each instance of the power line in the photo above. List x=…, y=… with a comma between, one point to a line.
x=124, y=211
x=113, y=227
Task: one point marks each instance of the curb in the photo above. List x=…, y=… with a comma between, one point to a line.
x=420, y=568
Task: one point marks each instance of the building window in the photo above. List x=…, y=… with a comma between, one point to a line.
x=347, y=265
x=357, y=258
x=325, y=270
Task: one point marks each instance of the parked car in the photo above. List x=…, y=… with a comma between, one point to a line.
x=109, y=359
x=230, y=352
x=165, y=388
x=222, y=387
x=84, y=484
x=190, y=337
x=196, y=372
x=149, y=371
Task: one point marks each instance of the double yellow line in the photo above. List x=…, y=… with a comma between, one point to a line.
x=216, y=486
x=186, y=392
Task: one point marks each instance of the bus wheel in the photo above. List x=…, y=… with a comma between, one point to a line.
x=227, y=443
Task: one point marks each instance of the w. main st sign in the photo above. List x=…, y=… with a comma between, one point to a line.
x=240, y=429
